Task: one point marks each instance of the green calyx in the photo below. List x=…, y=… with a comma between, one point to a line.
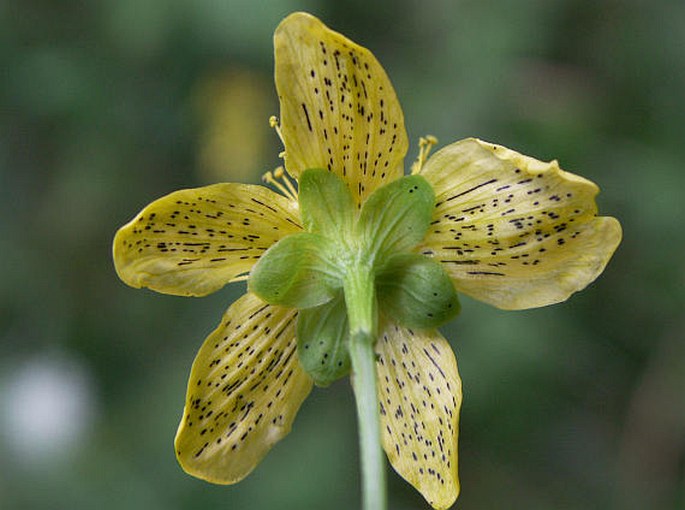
x=297, y=272
x=416, y=291
x=315, y=271
x=322, y=334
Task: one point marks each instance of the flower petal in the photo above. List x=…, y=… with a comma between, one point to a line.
x=338, y=108
x=420, y=395
x=194, y=241
x=513, y=231
x=245, y=387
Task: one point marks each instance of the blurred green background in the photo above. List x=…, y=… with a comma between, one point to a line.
x=108, y=104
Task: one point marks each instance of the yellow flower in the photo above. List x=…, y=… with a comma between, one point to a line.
x=507, y=229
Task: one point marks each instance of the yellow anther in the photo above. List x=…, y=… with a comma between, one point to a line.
x=273, y=122
x=426, y=143
x=431, y=140
x=285, y=186
x=268, y=178
x=279, y=179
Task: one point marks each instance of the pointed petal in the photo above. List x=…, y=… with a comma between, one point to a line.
x=338, y=108
x=420, y=395
x=245, y=387
x=513, y=231
x=194, y=241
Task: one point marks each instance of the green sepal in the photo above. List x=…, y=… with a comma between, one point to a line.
x=296, y=272
x=322, y=341
x=396, y=216
x=326, y=204
x=416, y=291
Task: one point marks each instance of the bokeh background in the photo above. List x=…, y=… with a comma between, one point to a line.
x=106, y=105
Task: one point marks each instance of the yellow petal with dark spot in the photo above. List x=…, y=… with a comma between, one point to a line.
x=338, y=108
x=194, y=241
x=513, y=231
x=245, y=387
x=420, y=395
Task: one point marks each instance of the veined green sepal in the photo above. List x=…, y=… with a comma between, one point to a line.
x=416, y=291
x=396, y=216
x=326, y=204
x=322, y=341
x=296, y=272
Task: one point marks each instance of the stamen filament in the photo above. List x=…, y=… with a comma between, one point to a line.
x=273, y=122
x=279, y=173
x=278, y=178
x=425, y=145
x=268, y=178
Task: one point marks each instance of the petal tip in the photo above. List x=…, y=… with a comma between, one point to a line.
x=122, y=261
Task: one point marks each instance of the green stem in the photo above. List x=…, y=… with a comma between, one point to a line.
x=362, y=312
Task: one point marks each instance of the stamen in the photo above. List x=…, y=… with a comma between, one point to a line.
x=273, y=178
x=425, y=145
x=273, y=122
x=279, y=173
x=268, y=178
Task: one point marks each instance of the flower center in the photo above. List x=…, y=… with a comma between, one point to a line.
x=321, y=270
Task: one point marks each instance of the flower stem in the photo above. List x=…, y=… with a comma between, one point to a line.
x=360, y=300
x=364, y=383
